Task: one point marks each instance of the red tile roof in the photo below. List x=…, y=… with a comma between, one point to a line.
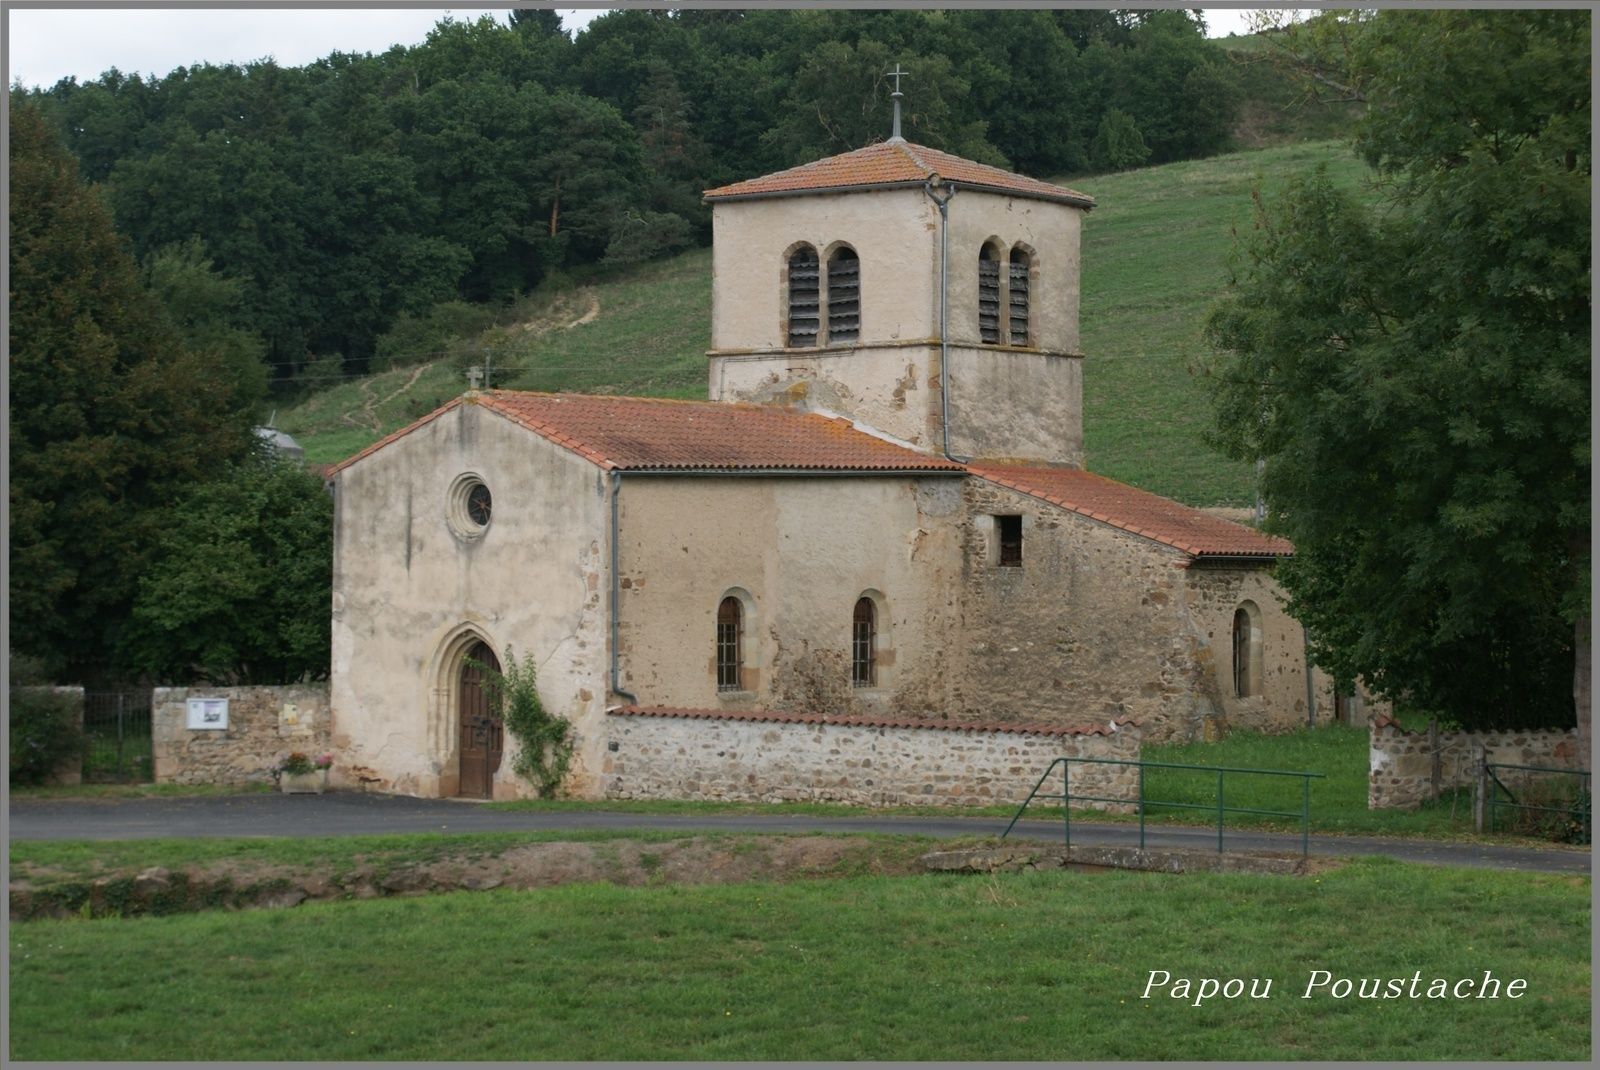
x=1138, y=511
x=894, y=163
x=861, y=722
x=656, y=434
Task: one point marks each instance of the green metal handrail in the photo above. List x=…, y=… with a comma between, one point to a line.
x=1494, y=800
x=1221, y=809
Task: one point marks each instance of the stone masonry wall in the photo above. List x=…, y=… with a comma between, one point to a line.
x=1092, y=626
x=775, y=757
x=1401, y=762
x=264, y=725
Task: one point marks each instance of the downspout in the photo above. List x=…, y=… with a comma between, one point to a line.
x=1311, y=695
x=944, y=302
x=616, y=593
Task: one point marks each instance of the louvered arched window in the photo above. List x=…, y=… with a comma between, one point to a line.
x=730, y=655
x=989, y=294
x=863, y=636
x=804, y=297
x=844, y=295
x=1017, y=297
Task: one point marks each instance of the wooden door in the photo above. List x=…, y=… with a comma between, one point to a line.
x=482, y=735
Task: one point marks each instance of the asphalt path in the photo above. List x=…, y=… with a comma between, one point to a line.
x=364, y=814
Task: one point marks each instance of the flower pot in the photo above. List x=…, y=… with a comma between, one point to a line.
x=312, y=783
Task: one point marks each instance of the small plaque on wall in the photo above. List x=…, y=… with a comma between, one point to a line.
x=208, y=714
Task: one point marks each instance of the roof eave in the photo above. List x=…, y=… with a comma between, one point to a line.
x=1075, y=201
x=1265, y=557
x=726, y=470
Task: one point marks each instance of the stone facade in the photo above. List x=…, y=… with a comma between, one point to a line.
x=264, y=725
x=799, y=552
x=1006, y=401
x=411, y=595
x=778, y=758
x=1098, y=623
x=1401, y=762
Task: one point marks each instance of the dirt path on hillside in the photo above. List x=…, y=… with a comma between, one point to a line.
x=563, y=315
x=367, y=410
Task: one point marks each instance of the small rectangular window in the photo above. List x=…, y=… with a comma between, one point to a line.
x=1010, y=532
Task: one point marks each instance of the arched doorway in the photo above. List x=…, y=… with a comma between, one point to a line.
x=481, y=736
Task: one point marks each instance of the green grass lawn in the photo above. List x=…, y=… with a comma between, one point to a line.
x=1047, y=965
x=1155, y=257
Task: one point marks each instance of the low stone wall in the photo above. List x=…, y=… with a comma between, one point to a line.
x=778, y=757
x=1400, y=767
x=264, y=724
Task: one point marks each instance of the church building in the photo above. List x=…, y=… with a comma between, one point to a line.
x=879, y=517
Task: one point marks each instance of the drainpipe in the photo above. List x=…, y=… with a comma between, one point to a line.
x=1311, y=694
x=616, y=594
x=928, y=187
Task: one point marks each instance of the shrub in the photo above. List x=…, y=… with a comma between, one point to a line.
x=45, y=733
x=640, y=236
x=544, y=741
x=446, y=329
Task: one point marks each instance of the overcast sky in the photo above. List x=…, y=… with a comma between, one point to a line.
x=45, y=46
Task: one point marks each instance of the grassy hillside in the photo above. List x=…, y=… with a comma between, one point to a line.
x=1155, y=256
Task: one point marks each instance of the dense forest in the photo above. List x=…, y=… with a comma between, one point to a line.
x=294, y=216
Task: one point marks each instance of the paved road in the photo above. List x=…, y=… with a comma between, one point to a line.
x=358, y=814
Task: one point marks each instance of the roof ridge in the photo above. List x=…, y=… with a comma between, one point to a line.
x=642, y=397
x=910, y=151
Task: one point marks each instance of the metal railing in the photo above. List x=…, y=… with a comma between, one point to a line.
x=1494, y=802
x=116, y=736
x=1142, y=802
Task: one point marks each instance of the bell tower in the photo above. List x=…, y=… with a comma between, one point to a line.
x=927, y=297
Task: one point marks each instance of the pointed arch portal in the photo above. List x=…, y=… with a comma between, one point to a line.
x=480, y=734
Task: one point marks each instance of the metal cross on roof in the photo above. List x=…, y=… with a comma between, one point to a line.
x=896, y=74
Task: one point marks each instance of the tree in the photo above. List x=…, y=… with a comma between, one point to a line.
x=110, y=414
x=205, y=305
x=840, y=101
x=1415, y=374
x=239, y=588
x=1118, y=144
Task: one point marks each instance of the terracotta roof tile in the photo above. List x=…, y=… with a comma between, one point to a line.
x=894, y=163
x=1137, y=511
x=780, y=716
x=656, y=434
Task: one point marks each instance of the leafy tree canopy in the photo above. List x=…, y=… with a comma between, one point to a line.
x=240, y=584
x=1416, y=374
x=110, y=412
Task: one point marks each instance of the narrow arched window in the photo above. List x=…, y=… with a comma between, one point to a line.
x=1017, y=296
x=730, y=656
x=863, y=636
x=1245, y=670
x=989, y=294
x=844, y=296
x=804, y=297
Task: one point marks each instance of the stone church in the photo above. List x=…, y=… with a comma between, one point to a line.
x=879, y=520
